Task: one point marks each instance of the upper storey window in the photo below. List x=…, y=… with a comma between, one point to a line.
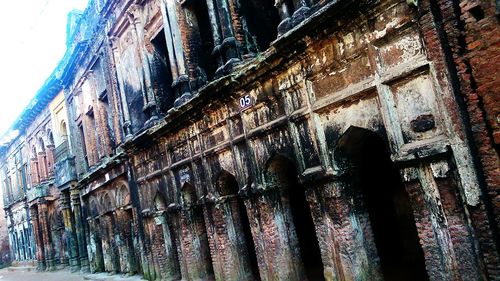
x=262, y=20
x=162, y=79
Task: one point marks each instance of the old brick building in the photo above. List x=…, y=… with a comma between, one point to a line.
x=265, y=140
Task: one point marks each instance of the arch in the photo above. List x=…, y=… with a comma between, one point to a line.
x=94, y=211
x=377, y=192
x=160, y=202
x=226, y=184
x=107, y=203
x=282, y=173
x=50, y=137
x=41, y=144
x=64, y=131
x=122, y=196
x=188, y=193
x=33, y=152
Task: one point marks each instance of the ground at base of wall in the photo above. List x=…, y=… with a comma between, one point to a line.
x=29, y=274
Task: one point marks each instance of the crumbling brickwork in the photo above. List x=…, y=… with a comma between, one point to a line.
x=242, y=140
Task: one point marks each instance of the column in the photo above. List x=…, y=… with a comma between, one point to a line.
x=172, y=262
x=50, y=160
x=173, y=18
x=226, y=46
x=69, y=228
x=114, y=44
x=79, y=228
x=47, y=243
x=40, y=257
x=147, y=89
x=42, y=165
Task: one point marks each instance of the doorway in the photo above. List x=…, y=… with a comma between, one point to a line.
x=282, y=172
x=378, y=191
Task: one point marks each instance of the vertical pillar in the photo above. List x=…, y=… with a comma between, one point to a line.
x=147, y=88
x=42, y=165
x=35, y=174
x=44, y=226
x=79, y=227
x=50, y=160
x=127, y=123
x=71, y=241
x=172, y=18
x=226, y=46
x=171, y=261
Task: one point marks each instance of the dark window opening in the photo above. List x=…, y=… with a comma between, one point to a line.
x=283, y=173
x=162, y=76
x=377, y=186
x=84, y=147
x=477, y=13
x=206, y=61
x=262, y=22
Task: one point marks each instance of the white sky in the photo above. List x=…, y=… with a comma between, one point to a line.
x=33, y=40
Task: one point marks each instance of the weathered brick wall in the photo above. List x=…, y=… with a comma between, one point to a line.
x=387, y=73
x=460, y=36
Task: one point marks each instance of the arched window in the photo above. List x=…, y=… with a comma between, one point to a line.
x=94, y=212
x=33, y=152
x=41, y=144
x=122, y=196
x=64, y=131
x=50, y=137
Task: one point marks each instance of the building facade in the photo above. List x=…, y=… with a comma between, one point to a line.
x=265, y=140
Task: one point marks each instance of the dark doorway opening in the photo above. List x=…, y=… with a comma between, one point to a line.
x=98, y=245
x=379, y=191
x=285, y=175
x=228, y=185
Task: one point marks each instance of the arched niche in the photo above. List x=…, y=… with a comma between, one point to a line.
x=281, y=174
x=41, y=144
x=33, y=152
x=226, y=184
x=106, y=202
x=122, y=196
x=374, y=188
x=188, y=193
x=50, y=137
x=280, y=171
x=64, y=131
x=160, y=202
x=94, y=211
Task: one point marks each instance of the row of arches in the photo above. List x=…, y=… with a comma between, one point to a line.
x=274, y=234
x=110, y=230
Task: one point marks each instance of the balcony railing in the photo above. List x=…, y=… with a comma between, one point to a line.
x=61, y=152
x=64, y=167
x=39, y=191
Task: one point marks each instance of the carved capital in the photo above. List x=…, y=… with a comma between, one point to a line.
x=134, y=14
